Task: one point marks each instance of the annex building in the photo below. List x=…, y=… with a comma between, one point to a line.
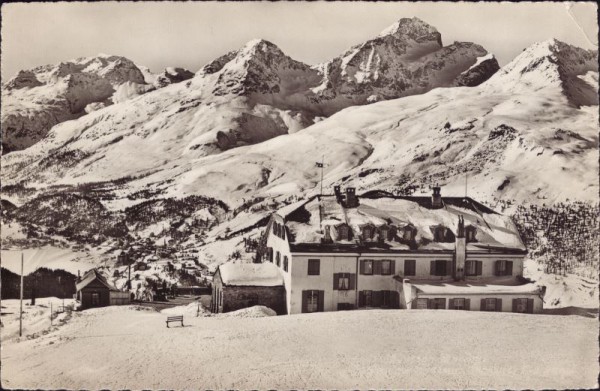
x=342, y=251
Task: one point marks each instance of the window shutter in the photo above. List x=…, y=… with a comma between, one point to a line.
x=478, y=268
x=509, y=266
x=393, y=267
x=410, y=267
x=336, y=281
x=377, y=267
x=321, y=300
x=468, y=304
x=449, y=268
x=530, y=306
x=361, y=298
x=394, y=299
x=352, y=281
x=377, y=298
x=515, y=304
x=305, y=301
x=432, y=268
x=499, y=305
x=482, y=305
x=362, y=267
x=450, y=304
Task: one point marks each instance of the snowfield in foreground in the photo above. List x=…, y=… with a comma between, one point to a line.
x=119, y=347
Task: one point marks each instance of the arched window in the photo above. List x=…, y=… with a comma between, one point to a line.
x=276, y=229
x=282, y=231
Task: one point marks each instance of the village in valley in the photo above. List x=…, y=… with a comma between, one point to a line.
x=404, y=209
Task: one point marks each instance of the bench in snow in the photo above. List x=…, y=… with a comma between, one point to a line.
x=178, y=318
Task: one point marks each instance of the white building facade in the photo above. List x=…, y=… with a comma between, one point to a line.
x=381, y=251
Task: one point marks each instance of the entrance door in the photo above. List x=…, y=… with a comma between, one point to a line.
x=95, y=299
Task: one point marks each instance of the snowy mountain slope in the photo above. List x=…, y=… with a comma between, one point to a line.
x=515, y=144
x=281, y=95
x=549, y=65
x=37, y=99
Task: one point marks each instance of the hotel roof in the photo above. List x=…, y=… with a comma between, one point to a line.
x=306, y=223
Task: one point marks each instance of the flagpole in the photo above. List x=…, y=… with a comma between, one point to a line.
x=21, y=301
x=322, y=164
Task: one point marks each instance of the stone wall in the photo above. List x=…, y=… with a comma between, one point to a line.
x=238, y=297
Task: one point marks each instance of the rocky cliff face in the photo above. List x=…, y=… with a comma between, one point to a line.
x=407, y=58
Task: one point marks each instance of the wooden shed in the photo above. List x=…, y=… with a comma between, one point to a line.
x=94, y=291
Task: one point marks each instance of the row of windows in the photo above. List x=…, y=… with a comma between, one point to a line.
x=279, y=230
x=370, y=232
x=521, y=305
x=383, y=267
x=437, y=268
x=278, y=259
x=313, y=300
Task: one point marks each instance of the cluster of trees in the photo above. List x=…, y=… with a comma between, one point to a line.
x=41, y=283
x=563, y=236
x=79, y=218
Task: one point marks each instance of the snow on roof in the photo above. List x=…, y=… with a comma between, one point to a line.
x=91, y=276
x=475, y=288
x=250, y=274
x=492, y=230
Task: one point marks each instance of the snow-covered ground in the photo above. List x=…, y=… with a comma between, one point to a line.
x=119, y=347
x=563, y=292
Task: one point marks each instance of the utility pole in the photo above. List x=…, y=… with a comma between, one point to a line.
x=466, y=179
x=21, y=304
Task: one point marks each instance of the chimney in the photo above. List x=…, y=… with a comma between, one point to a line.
x=461, y=227
x=436, y=198
x=460, y=250
x=351, y=199
x=338, y=193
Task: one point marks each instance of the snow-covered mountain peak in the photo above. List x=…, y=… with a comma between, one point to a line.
x=551, y=64
x=412, y=28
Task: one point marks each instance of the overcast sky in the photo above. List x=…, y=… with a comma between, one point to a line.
x=161, y=34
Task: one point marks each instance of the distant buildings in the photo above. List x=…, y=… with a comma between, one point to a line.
x=378, y=250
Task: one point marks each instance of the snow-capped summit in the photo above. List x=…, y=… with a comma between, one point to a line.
x=412, y=28
x=552, y=65
x=407, y=58
x=37, y=99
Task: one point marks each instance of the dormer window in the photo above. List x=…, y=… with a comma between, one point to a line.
x=368, y=232
x=471, y=233
x=344, y=232
x=409, y=233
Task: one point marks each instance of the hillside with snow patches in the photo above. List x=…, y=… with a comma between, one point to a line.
x=35, y=100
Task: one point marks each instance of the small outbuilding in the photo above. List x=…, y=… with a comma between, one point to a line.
x=94, y=291
x=242, y=285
